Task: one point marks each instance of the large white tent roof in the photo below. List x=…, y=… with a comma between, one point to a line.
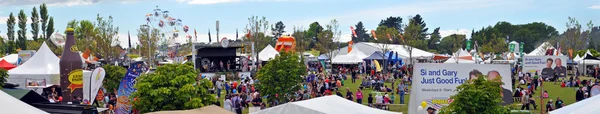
x=12, y=105
x=587, y=106
x=42, y=63
x=346, y=59
x=356, y=52
x=323, y=105
x=267, y=53
x=541, y=50
x=402, y=50
x=12, y=58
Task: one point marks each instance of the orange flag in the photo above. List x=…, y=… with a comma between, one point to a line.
x=353, y=32
x=350, y=44
x=389, y=36
x=373, y=33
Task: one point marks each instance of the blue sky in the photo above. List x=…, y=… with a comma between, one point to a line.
x=453, y=16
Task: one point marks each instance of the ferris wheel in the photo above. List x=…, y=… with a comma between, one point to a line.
x=170, y=29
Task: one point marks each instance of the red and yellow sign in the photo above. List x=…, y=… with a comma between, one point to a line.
x=76, y=79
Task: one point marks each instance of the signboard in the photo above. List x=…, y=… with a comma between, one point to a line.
x=126, y=87
x=546, y=66
x=521, y=46
x=32, y=83
x=511, y=47
x=25, y=55
x=468, y=44
x=433, y=84
x=92, y=84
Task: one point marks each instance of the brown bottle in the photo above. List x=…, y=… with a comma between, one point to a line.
x=71, y=73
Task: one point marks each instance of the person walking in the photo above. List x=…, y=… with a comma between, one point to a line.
x=219, y=87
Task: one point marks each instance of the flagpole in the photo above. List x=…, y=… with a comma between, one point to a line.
x=194, y=48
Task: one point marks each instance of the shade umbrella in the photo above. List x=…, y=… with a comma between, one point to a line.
x=5, y=65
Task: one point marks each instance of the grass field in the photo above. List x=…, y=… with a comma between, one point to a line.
x=567, y=94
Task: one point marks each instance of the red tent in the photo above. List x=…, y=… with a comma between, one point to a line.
x=5, y=65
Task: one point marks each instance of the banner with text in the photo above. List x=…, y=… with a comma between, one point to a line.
x=126, y=87
x=545, y=66
x=433, y=84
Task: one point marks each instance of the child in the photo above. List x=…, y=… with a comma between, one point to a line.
x=392, y=98
x=370, y=100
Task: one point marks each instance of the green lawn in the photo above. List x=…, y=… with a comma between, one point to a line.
x=567, y=94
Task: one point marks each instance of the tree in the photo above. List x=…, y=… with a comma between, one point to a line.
x=313, y=31
x=35, y=23
x=84, y=35
x=3, y=77
x=328, y=40
x=44, y=19
x=572, y=36
x=257, y=27
x=282, y=76
x=419, y=21
x=361, y=33
x=450, y=44
x=171, y=87
x=477, y=96
x=114, y=74
x=434, y=38
x=148, y=42
x=106, y=35
x=22, y=32
x=10, y=33
x=49, y=30
x=301, y=39
x=411, y=38
x=392, y=22
x=278, y=29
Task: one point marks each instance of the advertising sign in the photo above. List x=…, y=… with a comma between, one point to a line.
x=92, y=84
x=545, y=66
x=433, y=84
x=126, y=87
x=71, y=73
x=25, y=55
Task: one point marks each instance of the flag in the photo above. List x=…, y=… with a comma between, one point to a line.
x=373, y=34
x=209, y=39
x=236, y=34
x=350, y=44
x=558, y=51
x=195, y=35
x=402, y=36
x=389, y=36
x=129, y=38
x=353, y=32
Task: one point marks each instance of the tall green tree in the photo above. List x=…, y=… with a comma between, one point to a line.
x=328, y=40
x=106, y=35
x=572, y=36
x=479, y=96
x=22, y=32
x=281, y=75
x=277, y=30
x=361, y=33
x=35, y=23
x=412, y=39
x=301, y=39
x=419, y=21
x=172, y=87
x=44, y=19
x=258, y=27
x=85, y=34
x=148, y=40
x=313, y=30
x=434, y=38
x=10, y=33
x=392, y=22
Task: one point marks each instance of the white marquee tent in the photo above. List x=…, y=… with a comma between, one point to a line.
x=462, y=56
x=541, y=50
x=12, y=58
x=43, y=65
x=12, y=105
x=267, y=53
x=587, y=106
x=331, y=104
x=354, y=57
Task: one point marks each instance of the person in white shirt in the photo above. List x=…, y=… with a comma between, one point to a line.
x=378, y=100
x=227, y=104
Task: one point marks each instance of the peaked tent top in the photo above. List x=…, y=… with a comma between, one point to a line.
x=377, y=55
x=267, y=53
x=5, y=65
x=356, y=52
x=331, y=104
x=43, y=62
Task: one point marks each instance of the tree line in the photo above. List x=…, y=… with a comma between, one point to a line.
x=11, y=44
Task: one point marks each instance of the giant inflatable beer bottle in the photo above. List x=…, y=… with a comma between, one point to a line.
x=71, y=73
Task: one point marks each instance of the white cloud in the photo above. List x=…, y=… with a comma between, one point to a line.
x=3, y=19
x=597, y=6
x=223, y=1
x=466, y=32
x=49, y=2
